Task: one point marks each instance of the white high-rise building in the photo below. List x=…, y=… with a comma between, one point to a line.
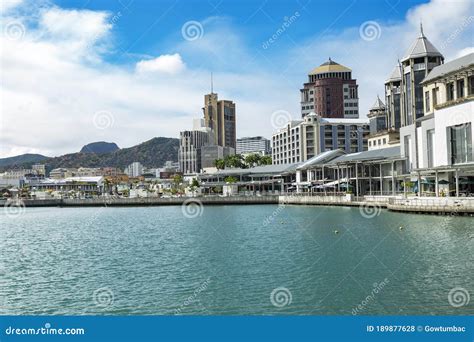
x=248, y=145
x=135, y=169
x=301, y=140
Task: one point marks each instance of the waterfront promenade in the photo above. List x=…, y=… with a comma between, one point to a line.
x=432, y=205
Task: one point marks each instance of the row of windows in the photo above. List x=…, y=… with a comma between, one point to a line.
x=351, y=112
x=381, y=142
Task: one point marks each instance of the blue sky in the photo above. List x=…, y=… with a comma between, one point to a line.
x=126, y=71
x=153, y=27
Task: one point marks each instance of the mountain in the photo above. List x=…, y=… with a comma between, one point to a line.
x=99, y=147
x=23, y=159
x=151, y=153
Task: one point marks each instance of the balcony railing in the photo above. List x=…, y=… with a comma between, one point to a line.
x=454, y=102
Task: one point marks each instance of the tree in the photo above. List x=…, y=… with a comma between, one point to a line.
x=230, y=180
x=219, y=164
x=266, y=160
x=235, y=161
x=253, y=159
x=195, y=183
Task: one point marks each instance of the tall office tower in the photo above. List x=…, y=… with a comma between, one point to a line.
x=219, y=115
x=190, y=147
x=330, y=92
x=419, y=60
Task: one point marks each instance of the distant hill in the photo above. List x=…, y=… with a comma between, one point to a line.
x=151, y=153
x=23, y=159
x=99, y=147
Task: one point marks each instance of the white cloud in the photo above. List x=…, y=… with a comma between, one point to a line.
x=168, y=64
x=50, y=89
x=8, y=5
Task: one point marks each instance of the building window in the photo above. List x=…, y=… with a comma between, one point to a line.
x=460, y=88
x=470, y=82
x=407, y=149
x=450, y=91
x=427, y=101
x=430, y=146
x=435, y=96
x=460, y=143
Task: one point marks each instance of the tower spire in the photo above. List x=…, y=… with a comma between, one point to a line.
x=421, y=29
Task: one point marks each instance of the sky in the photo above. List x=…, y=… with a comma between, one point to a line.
x=125, y=71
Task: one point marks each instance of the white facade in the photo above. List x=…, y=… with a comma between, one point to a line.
x=301, y=140
x=135, y=169
x=249, y=145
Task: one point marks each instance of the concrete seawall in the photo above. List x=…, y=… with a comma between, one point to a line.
x=456, y=206
x=148, y=201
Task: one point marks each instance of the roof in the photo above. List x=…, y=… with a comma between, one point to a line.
x=265, y=169
x=395, y=75
x=321, y=158
x=421, y=47
x=379, y=154
x=96, y=179
x=450, y=67
x=329, y=66
x=378, y=105
x=344, y=121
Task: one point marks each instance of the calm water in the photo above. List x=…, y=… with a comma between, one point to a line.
x=154, y=260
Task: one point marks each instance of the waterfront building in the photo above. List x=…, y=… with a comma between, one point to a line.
x=301, y=140
x=220, y=117
x=135, y=169
x=438, y=145
x=19, y=178
x=40, y=169
x=190, y=147
x=380, y=135
x=62, y=172
x=376, y=172
x=393, y=98
x=88, y=172
x=210, y=153
x=419, y=60
x=249, y=145
x=330, y=92
x=87, y=186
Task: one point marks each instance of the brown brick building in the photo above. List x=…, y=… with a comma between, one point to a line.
x=330, y=92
